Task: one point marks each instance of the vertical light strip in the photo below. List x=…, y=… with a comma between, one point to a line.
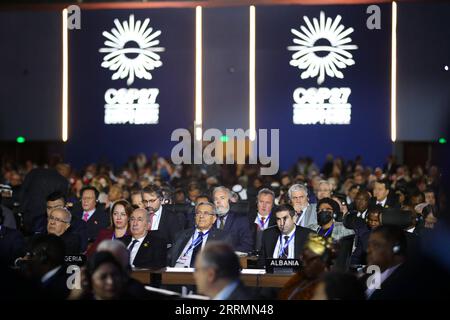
x=65, y=115
x=198, y=74
x=394, y=74
x=252, y=103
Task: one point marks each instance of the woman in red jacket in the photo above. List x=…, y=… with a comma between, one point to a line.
x=120, y=215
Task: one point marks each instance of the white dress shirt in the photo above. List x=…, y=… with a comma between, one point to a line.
x=184, y=260
x=135, y=248
x=156, y=219
x=382, y=203
x=291, y=255
x=258, y=220
x=362, y=214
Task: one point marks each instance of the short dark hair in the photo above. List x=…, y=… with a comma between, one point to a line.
x=204, y=195
x=90, y=188
x=394, y=235
x=56, y=196
x=153, y=188
x=354, y=186
x=385, y=182
x=343, y=286
x=331, y=202
x=375, y=209
x=220, y=256
x=429, y=209
x=285, y=207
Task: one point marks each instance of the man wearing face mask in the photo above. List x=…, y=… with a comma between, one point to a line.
x=235, y=226
x=326, y=227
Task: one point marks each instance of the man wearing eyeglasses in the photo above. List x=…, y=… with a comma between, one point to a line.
x=160, y=218
x=190, y=241
x=58, y=223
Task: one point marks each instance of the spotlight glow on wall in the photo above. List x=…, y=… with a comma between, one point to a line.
x=65, y=77
x=198, y=74
x=394, y=74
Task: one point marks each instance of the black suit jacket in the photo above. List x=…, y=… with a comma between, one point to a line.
x=389, y=288
x=391, y=201
x=240, y=293
x=79, y=227
x=55, y=288
x=152, y=253
x=238, y=229
x=271, y=236
x=184, y=237
x=256, y=233
x=98, y=221
x=12, y=245
x=169, y=225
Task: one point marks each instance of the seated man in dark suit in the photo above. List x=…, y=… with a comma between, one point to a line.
x=263, y=217
x=189, y=242
x=46, y=265
x=160, y=218
x=383, y=196
x=77, y=226
x=12, y=243
x=147, y=249
x=190, y=215
x=59, y=225
x=286, y=240
x=217, y=272
x=94, y=216
x=232, y=224
x=386, y=249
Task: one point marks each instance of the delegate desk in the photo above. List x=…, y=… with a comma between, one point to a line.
x=180, y=276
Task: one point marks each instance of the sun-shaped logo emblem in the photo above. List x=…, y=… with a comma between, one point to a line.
x=131, y=49
x=322, y=48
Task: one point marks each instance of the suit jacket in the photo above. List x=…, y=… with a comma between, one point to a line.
x=310, y=215
x=389, y=288
x=71, y=242
x=55, y=288
x=152, y=253
x=339, y=231
x=391, y=201
x=98, y=221
x=79, y=227
x=169, y=225
x=12, y=245
x=104, y=234
x=271, y=236
x=184, y=237
x=256, y=232
x=240, y=293
x=238, y=229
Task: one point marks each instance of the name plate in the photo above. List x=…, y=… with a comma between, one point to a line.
x=283, y=266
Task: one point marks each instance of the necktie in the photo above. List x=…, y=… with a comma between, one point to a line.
x=299, y=215
x=285, y=253
x=132, y=245
x=195, y=251
x=222, y=222
x=150, y=222
x=85, y=216
x=263, y=219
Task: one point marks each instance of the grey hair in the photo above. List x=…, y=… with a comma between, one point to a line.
x=147, y=213
x=297, y=187
x=266, y=191
x=327, y=183
x=204, y=203
x=224, y=189
x=66, y=211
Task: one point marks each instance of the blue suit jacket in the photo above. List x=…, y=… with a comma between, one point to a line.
x=238, y=229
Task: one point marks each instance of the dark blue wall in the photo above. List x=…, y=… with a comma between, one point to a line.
x=368, y=134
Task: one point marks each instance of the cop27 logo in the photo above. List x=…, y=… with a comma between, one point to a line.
x=322, y=48
x=131, y=50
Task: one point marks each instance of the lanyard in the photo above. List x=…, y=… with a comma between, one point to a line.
x=285, y=245
x=328, y=232
x=263, y=224
x=195, y=243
